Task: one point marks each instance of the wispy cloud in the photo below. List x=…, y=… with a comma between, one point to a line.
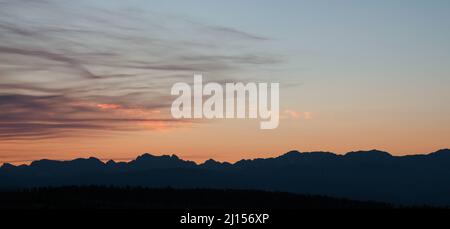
x=26, y=117
x=64, y=64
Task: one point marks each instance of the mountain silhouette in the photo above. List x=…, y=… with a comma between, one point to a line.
x=363, y=175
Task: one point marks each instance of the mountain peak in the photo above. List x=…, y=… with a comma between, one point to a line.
x=91, y=159
x=442, y=152
x=211, y=162
x=164, y=161
x=145, y=156
x=369, y=154
x=44, y=162
x=87, y=162
x=291, y=155
x=7, y=166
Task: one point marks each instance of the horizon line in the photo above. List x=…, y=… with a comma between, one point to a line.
x=129, y=159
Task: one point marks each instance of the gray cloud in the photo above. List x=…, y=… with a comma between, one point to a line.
x=70, y=62
x=234, y=32
x=25, y=117
x=58, y=59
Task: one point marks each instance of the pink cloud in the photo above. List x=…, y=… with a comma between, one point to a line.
x=308, y=115
x=296, y=115
x=293, y=114
x=108, y=106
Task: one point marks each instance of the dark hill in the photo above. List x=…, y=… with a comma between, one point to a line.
x=364, y=175
x=144, y=198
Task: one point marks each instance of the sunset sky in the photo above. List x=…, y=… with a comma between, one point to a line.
x=93, y=78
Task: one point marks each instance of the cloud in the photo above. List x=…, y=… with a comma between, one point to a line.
x=297, y=115
x=236, y=33
x=293, y=114
x=40, y=117
x=84, y=38
x=71, y=63
x=108, y=106
x=66, y=65
x=308, y=115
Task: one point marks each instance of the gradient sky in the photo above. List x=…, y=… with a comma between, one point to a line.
x=92, y=78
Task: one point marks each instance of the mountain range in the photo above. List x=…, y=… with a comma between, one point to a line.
x=363, y=175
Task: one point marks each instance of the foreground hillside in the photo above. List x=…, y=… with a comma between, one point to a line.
x=143, y=198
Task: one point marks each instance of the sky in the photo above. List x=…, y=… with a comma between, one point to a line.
x=93, y=78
